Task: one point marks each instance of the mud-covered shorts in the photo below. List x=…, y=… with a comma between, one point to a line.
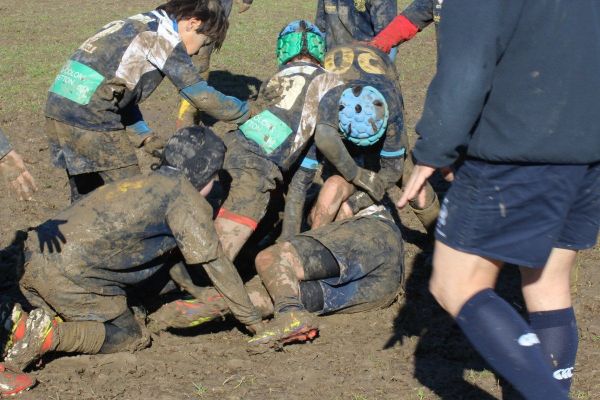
x=369, y=252
x=252, y=179
x=45, y=286
x=519, y=213
x=81, y=151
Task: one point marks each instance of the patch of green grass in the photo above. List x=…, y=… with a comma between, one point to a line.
x=200, y=389
x=581, y=395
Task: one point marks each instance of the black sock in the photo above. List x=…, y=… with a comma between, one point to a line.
x=509, y=346
x=557, y=330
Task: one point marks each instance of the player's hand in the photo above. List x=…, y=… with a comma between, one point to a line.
x=154, y=144
x=415, y=187
x=370, y=182
x=447, y=173
x=14, y=171
x=243, y=6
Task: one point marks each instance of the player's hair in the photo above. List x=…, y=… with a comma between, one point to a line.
x=210, y=12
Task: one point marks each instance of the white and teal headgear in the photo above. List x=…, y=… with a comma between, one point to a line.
x=363, y=114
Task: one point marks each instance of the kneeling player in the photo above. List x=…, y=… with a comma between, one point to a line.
x=79, y=265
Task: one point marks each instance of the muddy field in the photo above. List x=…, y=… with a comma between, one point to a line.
x=410, y=350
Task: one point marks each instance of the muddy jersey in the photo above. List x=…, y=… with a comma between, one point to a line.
x=109, y=239
x=282, y=132
x=346, y=21
x=4, y=145
x=392, y=144
x=101, y=84
x=423, y=12
x=360, y=65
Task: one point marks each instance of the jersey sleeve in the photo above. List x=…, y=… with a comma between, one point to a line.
x=134, y=123
x=419, y=13
x=190, y=219
x=328, y=110
x=180, y=70
x=5, y=146
x=382, y=13
x=395, y=142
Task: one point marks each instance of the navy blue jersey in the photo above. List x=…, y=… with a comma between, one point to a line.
x=99, y=87
x=346, y=21
x=520, y=85
x=362, y=65
x=423, y=12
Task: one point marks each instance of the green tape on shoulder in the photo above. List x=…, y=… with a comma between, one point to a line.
x=267, y=130
x=77, y=82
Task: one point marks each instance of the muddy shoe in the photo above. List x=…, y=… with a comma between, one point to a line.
x=13, y=319
x=287, y=327
x=12, y=384
x=35, y=341
x=187, y=313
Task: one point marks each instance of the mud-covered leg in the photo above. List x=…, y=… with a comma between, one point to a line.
x=280, y=269
x=334, y=192
x=233, y=234
x=206, y=305
x=122, y=334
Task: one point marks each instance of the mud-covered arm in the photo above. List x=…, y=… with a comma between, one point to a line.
x=5, y=146
x=135, y=125
x=419, y=13
x=183, y=74
x=332, y=147
x=382, y=12
x=405, y=26
x=296, y=196
x=393, y=152
x=190, y=220
x=320, y=17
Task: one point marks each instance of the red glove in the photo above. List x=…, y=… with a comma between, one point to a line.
x=398, y=31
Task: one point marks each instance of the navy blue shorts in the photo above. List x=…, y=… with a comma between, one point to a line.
x=517, y=213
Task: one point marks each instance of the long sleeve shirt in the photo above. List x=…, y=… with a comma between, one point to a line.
x=518, y=83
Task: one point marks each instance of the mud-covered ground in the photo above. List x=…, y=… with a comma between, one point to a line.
x=410, y=350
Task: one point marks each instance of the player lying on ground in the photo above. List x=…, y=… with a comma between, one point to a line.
x=325, y=270
x=359, y=123
x=92, y=116
x=79, y=264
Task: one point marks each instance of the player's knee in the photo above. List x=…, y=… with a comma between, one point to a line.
x=266, y=258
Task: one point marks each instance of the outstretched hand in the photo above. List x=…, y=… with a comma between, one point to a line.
x=14, y=171
x=415, y=187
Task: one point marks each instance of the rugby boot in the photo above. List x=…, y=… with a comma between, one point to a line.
x=12, y=318
x=188, y=313
x=12, y=383
x=37, y=339
x=287, y=327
